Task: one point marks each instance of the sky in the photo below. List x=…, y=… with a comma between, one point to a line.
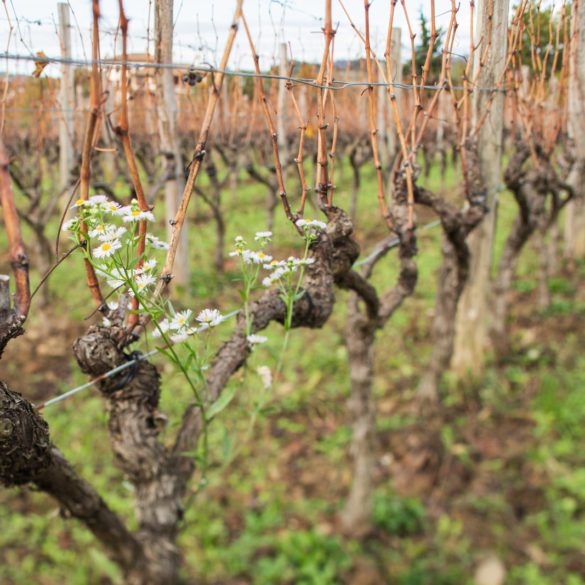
x=201, y=27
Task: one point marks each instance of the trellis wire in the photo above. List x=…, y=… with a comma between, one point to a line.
x=116, y=370
x=386, y=245
x=108, y=374
x=335, y=85
x=392, y=243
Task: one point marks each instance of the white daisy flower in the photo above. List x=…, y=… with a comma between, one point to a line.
x=161, y=327
x=71, y=224
x=256, y=339
x=79, y=203
x=107, y=249
x=240, y=243
x=210, y=317
x=291, y=265
x=149, y=265
x=267, y=282
x=278, y=274
x=260, y=236
x=274, y=264
x=99, y=229
x=110, y=233
x=136, y=215
x=260, y=257
x=97, y=199
x=183, y=334
x=111, y=207
x=155, y=243
x=180, y=337
x=250, y=257
x=181, y=320
x=144, y=280
x=312, y=223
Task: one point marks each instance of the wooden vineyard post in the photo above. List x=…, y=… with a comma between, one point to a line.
x=167, y=123
x=66, y=98
x=383, y=114
x=108, y=155
x=472, y=315
x=575, y=221
x=392, y=137
x=281, y=121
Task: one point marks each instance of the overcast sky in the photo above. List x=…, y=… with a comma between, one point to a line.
x=201, y=27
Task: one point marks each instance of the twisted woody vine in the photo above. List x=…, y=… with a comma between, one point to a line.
x=256, y=243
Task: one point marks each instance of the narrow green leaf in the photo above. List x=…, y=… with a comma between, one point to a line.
x=225, y=398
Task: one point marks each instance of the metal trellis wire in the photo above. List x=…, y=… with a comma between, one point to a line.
x=387, y=245
x=115, y=371
x=335, y=85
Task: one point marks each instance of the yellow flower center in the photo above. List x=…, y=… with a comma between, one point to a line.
x=79, y=202
x=135, y=213
x=106, y=247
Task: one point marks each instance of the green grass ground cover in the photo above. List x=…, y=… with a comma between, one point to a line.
x=500, y=472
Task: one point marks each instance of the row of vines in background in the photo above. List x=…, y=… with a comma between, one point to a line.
x=149, y=143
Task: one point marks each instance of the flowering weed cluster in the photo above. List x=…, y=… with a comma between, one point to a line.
x=282, y=271
x=106, y=231
x=311, y=228
x=286, y=274
x=108, y=234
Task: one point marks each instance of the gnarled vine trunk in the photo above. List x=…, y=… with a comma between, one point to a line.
x=361, y=328
x=160, y=474
x=360, y=332
x=457, y=224
x=532, y=189
x=133, y=398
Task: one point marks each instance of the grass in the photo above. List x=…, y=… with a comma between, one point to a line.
x=266, y=511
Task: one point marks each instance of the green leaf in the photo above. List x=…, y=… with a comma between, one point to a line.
x=188, y=361
x=224, y=399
